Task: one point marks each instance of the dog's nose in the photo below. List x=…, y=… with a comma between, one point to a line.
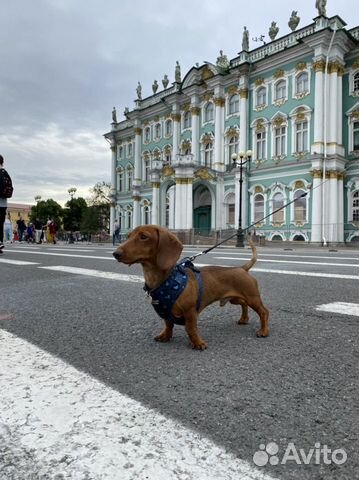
x=117, y=255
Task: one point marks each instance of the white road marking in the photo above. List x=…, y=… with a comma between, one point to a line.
x=60, y=421
x=96, y=273
x=326, y=264
x=16, y=262
x=340, y=307
x=110, y=257
x=70, y=249
x=291, y=272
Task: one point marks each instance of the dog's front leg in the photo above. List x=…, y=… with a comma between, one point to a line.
x=192, y=331
x=166, y=334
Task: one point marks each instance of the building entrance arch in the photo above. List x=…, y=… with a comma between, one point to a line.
x=202, y=211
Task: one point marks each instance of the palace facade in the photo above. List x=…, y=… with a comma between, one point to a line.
x=289, y=110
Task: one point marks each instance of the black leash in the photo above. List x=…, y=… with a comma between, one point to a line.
x=249, y=227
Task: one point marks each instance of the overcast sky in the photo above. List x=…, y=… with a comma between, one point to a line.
x=66, y=63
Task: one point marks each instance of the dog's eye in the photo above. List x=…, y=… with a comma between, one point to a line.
x=143, y=237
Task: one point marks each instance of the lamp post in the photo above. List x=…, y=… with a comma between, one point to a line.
x=244, y=157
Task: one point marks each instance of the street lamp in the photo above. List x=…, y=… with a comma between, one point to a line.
x=244, y=157
x=72, y=192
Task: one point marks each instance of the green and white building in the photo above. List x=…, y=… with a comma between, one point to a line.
x=289, y=107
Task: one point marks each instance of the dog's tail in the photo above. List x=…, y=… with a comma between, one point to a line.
x=247, y=266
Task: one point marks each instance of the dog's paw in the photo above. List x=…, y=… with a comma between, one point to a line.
x=163, y=338
x=262, y=332
x=202, y=345
x=243, y=321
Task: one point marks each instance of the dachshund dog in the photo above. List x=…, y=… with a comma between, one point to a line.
x=158, y=251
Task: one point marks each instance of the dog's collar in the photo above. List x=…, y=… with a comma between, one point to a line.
x=164, y=296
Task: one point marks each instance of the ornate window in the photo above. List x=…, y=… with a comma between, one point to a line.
x=168, y=128
x=301, y=83
x=301, y=136
x=147, y=135
x=261, y=97
x=129, y=219
x=278, y=202
x=187, y=120
x=120, y=180
x=258, y=207
x=279, y=140
x=157, y=131
x=300, y=207
x=233, y=104
x=261, y=145
x=209, y=112
x=120, y=152
x=129, y=178
x=356, y=83
x=280, y=90
x=355, y=207
x=129, y=149
x=208, y=155
x=356, y=136
x=146, y=168
x=232, y=147
x=146, y=213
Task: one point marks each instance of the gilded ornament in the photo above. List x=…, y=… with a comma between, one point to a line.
x=232, y=132
x=316, y=173
x=278, y=121
x=137, y=131
x=259, y=81
x=203, y=174
x=156, y=184
x=299, y=184
x=206, y=74
x=195, y=110
x=176, y=117
x=300, y=66
x=319, y=66
x=186, y=107
x=219, y=101
x=207, y=96
x=258, y=189
x=232, y=90
x=278, y=73
x=243, y=93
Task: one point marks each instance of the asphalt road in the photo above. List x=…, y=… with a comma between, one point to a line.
x=294, y=393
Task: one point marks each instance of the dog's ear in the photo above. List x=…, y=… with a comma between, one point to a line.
x=169, y=249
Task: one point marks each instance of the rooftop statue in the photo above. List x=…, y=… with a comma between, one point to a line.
x=155, y=86
x=321, y=6
x=165, y=81
x=273, y=31
x=139, y=91
x=114, y=115
x=245, y=40
x=222, y=61
x=178, y=72
x=293, y=21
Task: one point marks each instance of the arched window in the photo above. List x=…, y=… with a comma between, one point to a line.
x=356, y=136
x=168, y=128
x=209, y=112
x=158, y=130
x=280, y=140
x=208, y=155
x=232, y=147
x=129, y=149
x=146, y=215
x=187, y=120
x=258, y=207
x=356, y=82
x=129, y=220
x=301, y=136
x=356, y=207
x=146, y=165
x=261, y=144
x=301, y=83
x=300, y=207
x=129, y=178
x=147, y=134
x=120, y=181
x=280, y=90
x=233, y=104
x=278, y=202
x=120, y=152
x=261, y=97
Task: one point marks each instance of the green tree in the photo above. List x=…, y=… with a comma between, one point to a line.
x=45, y=210
x=98, y=215
x=73, y=213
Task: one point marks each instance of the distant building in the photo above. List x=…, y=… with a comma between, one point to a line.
x=17, y=210
x=293, y=102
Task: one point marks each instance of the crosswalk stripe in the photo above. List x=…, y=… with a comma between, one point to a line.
x=52, y=411
x=340, y=307
x=96, y=273
x=299, y=262
x=16, y=262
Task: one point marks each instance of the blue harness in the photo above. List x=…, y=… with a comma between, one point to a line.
x=164, y=296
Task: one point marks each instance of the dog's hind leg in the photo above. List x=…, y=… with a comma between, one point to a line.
x=244, y=317
x=263, y=312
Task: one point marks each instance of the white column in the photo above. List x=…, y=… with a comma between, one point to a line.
x=136, y=219
x=333, y=206
x=113, y=186
x=318, y=67
x=340, y=106
x=220, y=214
x=316, y=207
x=155, y=220
x=172, y=207
x=176, y=117
x=184, y=204
x=340, y=207
x=218, y=134
x=333, y=112
x=195, y=110
x=243, y=119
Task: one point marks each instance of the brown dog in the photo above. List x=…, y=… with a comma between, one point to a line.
x=158, y=251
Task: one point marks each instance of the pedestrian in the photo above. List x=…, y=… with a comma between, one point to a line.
x=116, y=232
x=8, y=228
x=52, y=230
x=38, y=231
x=21, y=228
x=29, y=235
x=5, y=193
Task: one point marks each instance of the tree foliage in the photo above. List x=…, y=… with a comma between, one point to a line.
x=45, y=210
